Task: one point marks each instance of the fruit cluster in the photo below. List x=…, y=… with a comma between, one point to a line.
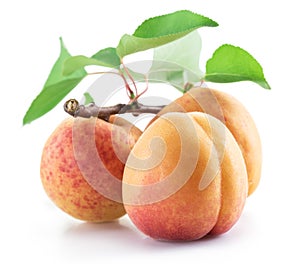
x=187, y=175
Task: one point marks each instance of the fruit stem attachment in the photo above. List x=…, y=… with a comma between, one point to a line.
x=73, y=108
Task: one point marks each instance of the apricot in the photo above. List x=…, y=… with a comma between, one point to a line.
x=185, y=178
x=82, y=166
x=234, y=115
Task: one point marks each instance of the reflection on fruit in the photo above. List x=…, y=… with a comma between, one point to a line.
x=234, y=115
x=185, y=178
x=82, y=166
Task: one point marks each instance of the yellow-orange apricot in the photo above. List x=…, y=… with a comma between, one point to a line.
x=234, y=115
x=185, y=178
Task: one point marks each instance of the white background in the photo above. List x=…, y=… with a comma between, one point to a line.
x=33, y=230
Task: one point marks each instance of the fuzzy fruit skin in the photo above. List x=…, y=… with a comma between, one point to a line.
x=195, y=209
x=234, y=115
x=63, y=179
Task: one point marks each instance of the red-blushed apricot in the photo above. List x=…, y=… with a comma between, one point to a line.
x=197, y=186
x=82, y=166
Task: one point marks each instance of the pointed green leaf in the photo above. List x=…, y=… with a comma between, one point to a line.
x=178, y=60
x=106, y=57
x=233, y=64
x=172, y=23
x=131, y=44
x=56, y=73
x=88, y=98
x=49, y=98
x=55, y=89
x=74, y=63
x=161, y=30
x=184, y=52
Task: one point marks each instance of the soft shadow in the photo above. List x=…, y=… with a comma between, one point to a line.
x=94, y=239
x=121, y=237
x=118, y=229
x=170, y=244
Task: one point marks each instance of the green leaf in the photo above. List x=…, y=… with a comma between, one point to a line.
x=180, y=61
x=184, y=52
x=88, y=98
x=56, y=73
x=233, y=64
x=106, y=57
x=78, y=62
x=49, y=98
x=55, y=89
x=161, y=30
x=172, y=23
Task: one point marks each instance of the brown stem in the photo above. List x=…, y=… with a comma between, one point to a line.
x=73, y=108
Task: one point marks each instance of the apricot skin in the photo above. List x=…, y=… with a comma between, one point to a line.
x=234, y=115
x=199, y=206
x=64, y=180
